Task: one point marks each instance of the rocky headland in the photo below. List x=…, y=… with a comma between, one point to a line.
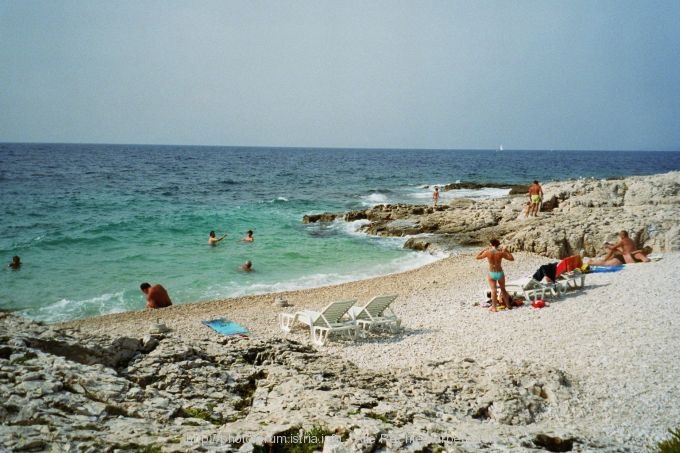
x=577, y=215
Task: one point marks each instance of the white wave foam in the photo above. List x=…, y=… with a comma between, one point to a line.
x=374, y=199
x=276, y=200
x=409, y=261
x=485, y=192
x=351, y=228
x=420, y=196
x=68, y=309
x=423, y=194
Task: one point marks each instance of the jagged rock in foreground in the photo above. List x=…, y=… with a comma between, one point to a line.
x=67, y=391
x=577, y=215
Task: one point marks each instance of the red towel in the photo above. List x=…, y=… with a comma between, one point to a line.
x=568, y=264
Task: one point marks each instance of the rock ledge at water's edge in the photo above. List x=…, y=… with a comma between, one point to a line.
x=576, y=216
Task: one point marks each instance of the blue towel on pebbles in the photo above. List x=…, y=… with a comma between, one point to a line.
x=601, y=269
x=226, y=327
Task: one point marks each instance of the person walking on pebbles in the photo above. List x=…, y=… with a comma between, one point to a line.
x=494, y=255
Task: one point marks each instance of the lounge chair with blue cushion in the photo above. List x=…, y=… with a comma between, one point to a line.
x=323, y=323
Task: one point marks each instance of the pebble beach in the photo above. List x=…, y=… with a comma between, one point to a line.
x=616, y=338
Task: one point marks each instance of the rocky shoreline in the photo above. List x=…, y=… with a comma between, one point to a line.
x=595, y=371
x=88, y=393
x=576, y=216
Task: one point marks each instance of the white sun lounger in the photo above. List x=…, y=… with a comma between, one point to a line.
x=323, y=323
x=570, y=280
x=376, y=314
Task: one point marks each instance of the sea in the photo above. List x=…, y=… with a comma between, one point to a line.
x=92, y=221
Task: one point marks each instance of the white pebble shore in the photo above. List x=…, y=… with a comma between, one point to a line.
x=618, y=339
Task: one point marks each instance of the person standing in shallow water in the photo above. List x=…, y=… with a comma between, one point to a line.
x=435, y=196
x=212, y=240
x=494, y=255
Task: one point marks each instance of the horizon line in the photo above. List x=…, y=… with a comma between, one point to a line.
x=504, y=150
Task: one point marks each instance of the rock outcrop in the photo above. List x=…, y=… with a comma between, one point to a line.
x=64, y=390
x=576, y=216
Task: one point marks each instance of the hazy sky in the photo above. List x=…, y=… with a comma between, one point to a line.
x=542, y=74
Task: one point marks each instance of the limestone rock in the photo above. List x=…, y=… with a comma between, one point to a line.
x=576, y=215
x=235, y=395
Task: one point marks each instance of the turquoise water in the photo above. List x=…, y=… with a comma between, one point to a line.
x=91, y=222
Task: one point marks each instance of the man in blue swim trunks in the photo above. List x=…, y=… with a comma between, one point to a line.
x=494, y=255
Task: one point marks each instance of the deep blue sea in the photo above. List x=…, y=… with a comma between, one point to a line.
x=91, y=222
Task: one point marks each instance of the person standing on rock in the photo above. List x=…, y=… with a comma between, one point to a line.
x=494, y=255
x=535, y=198
x=156, y=296
x=435, y=196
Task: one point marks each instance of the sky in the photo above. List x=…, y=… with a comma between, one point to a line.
x=473, y=74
